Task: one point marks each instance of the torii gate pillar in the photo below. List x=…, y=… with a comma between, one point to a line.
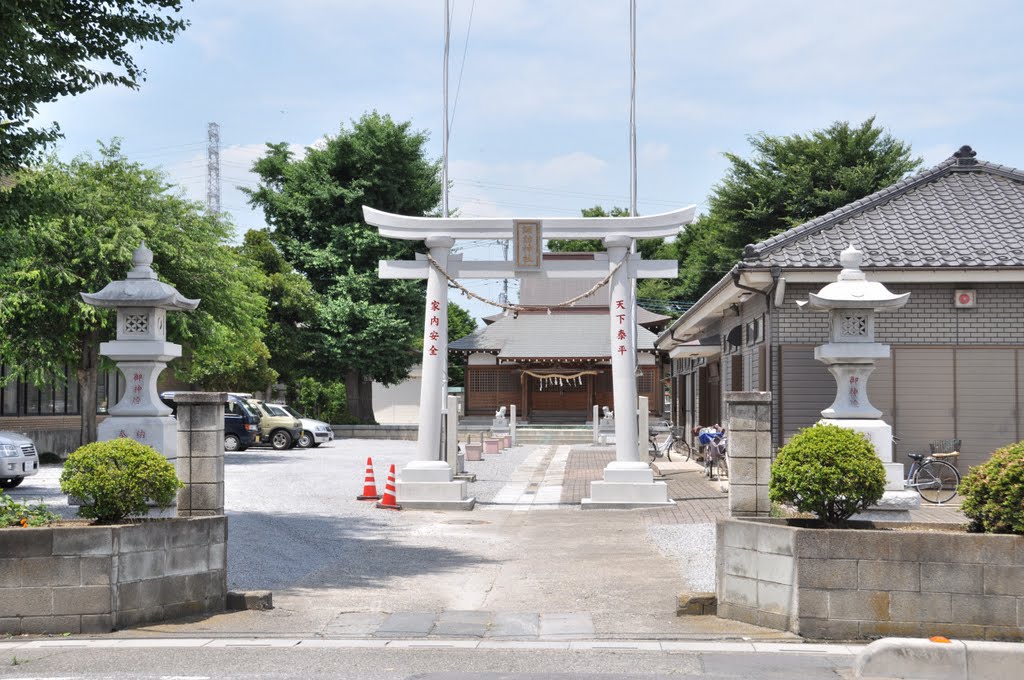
x=426, y=483
x=628, y=481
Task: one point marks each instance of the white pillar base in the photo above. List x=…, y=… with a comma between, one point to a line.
x=627, y=485
x=428, y=485
x=895, y=506
x=878, y=432
x=894, y=480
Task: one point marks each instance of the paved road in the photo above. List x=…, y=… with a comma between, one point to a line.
x=197, y=659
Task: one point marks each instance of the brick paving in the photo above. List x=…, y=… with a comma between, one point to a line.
x=698, y=500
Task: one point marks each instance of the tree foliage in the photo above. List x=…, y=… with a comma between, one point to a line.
x=786, y=181
x=291, y=308
x=366, y=327
x=460, y=324
x=55, y=48
x=67, y=228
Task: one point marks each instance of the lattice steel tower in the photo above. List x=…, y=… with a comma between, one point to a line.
x=213, y=168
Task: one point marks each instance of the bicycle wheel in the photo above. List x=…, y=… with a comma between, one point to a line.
x=682, y=447
x=936, y=481
x=652, y=449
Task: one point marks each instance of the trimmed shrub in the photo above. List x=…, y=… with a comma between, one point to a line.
x=116, y=479
x=828, y=470
x=993, y=492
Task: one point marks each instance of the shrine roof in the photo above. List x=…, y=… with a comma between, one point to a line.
x=960, y=213
x=548, y=336
x=645, y=317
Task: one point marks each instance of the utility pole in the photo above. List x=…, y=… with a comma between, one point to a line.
x=213, y=169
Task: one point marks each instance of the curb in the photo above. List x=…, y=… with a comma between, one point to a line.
x=923, y=659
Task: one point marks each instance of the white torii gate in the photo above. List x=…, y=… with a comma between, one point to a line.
x=628, y=481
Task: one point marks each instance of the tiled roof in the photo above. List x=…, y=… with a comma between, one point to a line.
x=549, y=336
x=960, y=213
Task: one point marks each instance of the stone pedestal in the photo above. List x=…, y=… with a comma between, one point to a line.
x=627, y=484
x=897, y=502
x=200, y=463
x=428, y=485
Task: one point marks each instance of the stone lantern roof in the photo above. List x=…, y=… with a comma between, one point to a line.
x=852, y=290
x=140, y=288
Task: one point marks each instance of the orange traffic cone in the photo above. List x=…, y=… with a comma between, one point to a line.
x=389, y=502
x=370, y=485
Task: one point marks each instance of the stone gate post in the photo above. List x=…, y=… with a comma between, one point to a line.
x=748, y=418
x=200, y=463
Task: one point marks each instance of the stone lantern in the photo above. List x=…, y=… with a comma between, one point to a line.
x=852, y=303
x=141, y=352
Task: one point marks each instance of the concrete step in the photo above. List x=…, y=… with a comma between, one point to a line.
x=553, y=435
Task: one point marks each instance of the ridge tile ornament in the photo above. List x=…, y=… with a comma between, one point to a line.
x=141, y=352
x=852, y=302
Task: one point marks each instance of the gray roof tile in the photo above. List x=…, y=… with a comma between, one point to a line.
x=955, y=214
x=554, y=336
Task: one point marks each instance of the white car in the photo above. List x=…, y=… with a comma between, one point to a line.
x=18, y=459
x=314, y=432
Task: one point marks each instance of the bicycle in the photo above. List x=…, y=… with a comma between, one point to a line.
x=935, y=480
x=716, y=457
x=664, y=448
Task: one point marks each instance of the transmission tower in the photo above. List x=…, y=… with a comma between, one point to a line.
x=213, y=168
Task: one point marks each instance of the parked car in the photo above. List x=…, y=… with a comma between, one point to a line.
x=314, y=432
x=18, y=459
x=279, y=428
x=241, y=422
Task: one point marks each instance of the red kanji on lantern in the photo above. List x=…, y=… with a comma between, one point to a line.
x=622, y=334
x=622, y=349
x=122, y=433
x=619, y=304
x=434, y=305
x=140, y=434
x=136, y=401
x=433, y=351
x=137, y=389
x=621, y=318
x=137, y=377
x=434, y=335
x=434, y=321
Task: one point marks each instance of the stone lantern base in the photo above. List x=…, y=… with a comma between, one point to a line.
x=898, y=501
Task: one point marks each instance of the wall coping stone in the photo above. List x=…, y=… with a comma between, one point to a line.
x=749, y=397
x=200, y=397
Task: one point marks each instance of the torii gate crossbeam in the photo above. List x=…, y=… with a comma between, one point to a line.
x=628, y=481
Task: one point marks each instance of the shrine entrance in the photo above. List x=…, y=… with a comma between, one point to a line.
x=427, y=482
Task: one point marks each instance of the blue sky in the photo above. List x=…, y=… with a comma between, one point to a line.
x=540, y=125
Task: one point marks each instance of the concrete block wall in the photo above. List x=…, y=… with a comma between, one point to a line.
x=200, y=462
x=848, y=584
x=94, y=579
x=407, y=432
x=748, y=418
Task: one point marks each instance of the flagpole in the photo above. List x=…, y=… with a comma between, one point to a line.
x=632, y=175
x=444, y=127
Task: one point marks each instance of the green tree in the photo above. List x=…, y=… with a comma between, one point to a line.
x=366, y=327
x=291, y=308
x=647, y=247
x=460, y=324
x=787, y=181
x=71, y=227
x=55, y=48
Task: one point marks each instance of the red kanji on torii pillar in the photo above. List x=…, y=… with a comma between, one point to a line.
x=427, y=481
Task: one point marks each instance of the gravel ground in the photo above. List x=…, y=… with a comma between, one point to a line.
x=493, y=472
x=693, y=547
x=302, y=502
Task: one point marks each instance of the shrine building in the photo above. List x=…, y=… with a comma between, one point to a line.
x=554, y=364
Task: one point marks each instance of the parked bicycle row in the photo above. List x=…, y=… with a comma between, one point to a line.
x=934, y=476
